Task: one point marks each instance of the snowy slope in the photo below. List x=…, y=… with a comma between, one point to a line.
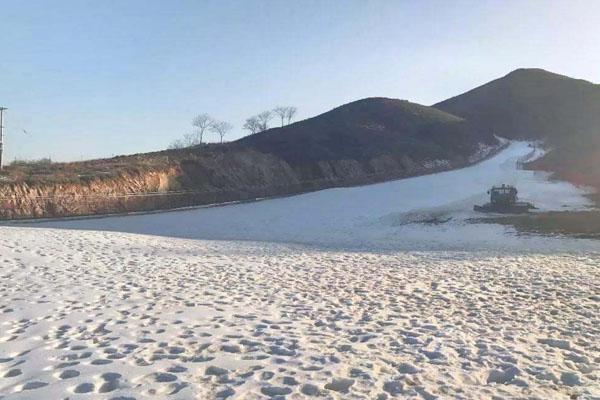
x=372, y=216
x=112, y=315
x=108, y=315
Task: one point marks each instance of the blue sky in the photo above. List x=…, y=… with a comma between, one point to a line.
x=91, y=79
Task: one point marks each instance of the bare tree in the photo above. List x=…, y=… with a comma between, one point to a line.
x=263, y=120
x=252, y=125
x=202, y=123
x=281, y=112
x=188, y=140
x=258, y=123
x=290, y=112
x=177, y=144
x=221, y=128
x=285, y=113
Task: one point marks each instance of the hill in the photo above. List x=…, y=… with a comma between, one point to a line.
x=537, y=104
x=370, y=128
x=366, y=141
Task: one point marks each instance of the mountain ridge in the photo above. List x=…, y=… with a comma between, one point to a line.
x=529, y=103
x=369, y=127
x=537, y=104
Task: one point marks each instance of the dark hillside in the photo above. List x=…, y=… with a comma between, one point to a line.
x=537, y=104
x=374, y=127
x=533, y=104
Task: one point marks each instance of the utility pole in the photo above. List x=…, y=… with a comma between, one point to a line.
x=2, y=109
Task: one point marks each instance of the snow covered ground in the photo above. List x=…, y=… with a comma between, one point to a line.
x=332, y=295
x=120, y=316
x=373, y=216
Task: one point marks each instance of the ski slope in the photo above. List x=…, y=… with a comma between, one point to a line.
x=119, y=310
x=375, y=216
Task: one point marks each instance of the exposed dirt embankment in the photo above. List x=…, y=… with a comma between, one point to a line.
x=95, y=196
x=206, y=176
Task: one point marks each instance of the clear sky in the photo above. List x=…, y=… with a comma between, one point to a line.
x=99, y=78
